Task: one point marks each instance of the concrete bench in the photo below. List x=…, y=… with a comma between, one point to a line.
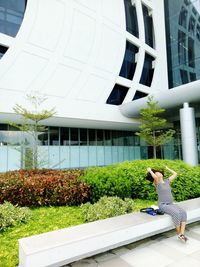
x=67, y=245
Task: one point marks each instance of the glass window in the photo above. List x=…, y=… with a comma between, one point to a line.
x=191, y=53
x=129, y=62
x=3, y=50
x=193, y=77
x=108, y=138
x=100, y=137
x=139, y=95
x=117, y=95
x=148, y=70
x=191, y=26
x=43, y=138
x=131, y=18
x=54, y=136
x=92, y=137
x=83, y=137
x=183, y=17
x=74, y=134
x=184, y=76
x=11, y=16
x=182, y=48
x=148, y=25
x=64, y=136
x=198, y=32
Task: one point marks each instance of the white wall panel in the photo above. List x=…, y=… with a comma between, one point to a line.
x=22, y=73
x=112, y=11
x=93, y=89
x=62, y=81
x=91, y=4
x=110, y=46
x=82, y=37
x=48, y=24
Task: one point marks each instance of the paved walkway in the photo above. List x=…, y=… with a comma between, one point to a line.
x=163, y=250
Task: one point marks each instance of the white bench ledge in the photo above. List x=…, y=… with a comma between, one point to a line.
x=63, y=246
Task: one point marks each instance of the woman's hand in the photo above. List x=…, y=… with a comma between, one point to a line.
x=148, y=169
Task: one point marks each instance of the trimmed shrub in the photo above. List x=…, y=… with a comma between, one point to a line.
x=11, y=215
x=128, y=179
x=107, y=207
x=43, y=188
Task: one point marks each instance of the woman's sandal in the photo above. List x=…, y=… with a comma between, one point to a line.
x=183, y=238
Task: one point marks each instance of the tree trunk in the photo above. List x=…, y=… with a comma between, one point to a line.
x=154, y=152
x=154, y=145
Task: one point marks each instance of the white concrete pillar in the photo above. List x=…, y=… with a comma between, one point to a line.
x=188, y=135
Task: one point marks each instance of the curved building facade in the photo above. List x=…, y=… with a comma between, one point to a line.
x=90, y=59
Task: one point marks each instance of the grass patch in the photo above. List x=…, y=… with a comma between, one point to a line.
x=44, y=219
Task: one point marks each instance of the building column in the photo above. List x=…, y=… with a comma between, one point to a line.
x=188, y=135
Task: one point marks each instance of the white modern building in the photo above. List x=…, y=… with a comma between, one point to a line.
x=96, y=61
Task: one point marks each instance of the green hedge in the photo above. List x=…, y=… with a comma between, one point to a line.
x=128, y=180
x=43, y=188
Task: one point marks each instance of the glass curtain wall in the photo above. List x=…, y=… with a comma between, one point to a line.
x=60, y=147
x=182, y=19
x=11, y=16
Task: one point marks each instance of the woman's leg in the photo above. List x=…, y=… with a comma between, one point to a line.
x=182, y=228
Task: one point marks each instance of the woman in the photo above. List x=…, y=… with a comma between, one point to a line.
x=165, y=200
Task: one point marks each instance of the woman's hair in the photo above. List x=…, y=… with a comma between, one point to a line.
x=150, y=178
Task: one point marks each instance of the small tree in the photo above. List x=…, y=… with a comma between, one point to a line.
x=31, y=124
x=153, y=127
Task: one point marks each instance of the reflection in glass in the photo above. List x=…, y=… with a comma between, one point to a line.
x=100, y=138
x=184, y=76
x=54, y=136
x=191, y=53
x=148, y=25
x=117, y=95
x=148, y=70
x=83, y=137
x=11, y=16
x=74, y=137
x=131, y=17
x=64, y=136
x=92, y=137
x=129, y=62
x=3, y=50
x=108, y=138
x=139, y=95
x=183, y=17
x=182, y=48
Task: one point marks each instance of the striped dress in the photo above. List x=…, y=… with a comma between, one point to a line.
x=165, y=203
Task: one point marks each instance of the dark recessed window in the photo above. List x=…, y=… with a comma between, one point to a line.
x=183, y=17
x=198, y=32
x=64, y=136
x=191, y=53
x=184, y=76
x=129, y=62
x=191, y=27
x=139, y=95
x=148, y=70
x=194, y=11
x=148, y=25
x=83, y=137
x=11, y=16
x=131, y=18
x=54, y=136
x=182, y=48
x=3, y=50
x=117, y=95
x=74, y=133
x=193, y=77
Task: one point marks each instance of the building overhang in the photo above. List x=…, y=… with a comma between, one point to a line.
x=168, y=99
